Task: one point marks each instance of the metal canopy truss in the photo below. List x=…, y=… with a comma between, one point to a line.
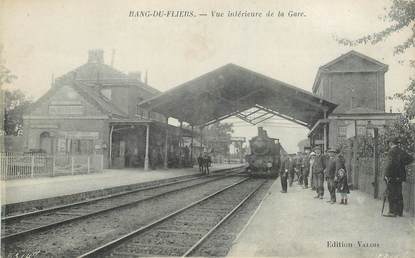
x=232, y=90
x=254, y=116
x=283, y=116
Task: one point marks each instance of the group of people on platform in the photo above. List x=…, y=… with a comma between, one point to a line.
x=330, y=167
x=314, y=167
x=204, y=161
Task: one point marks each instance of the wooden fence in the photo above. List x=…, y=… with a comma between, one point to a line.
x=26, y=165
x=366, y=182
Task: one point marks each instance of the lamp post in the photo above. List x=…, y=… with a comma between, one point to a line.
x=375, y=157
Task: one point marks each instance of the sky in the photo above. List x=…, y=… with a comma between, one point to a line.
x=43, y=38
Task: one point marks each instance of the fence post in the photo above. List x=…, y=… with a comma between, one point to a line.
x=88, y=166
x=32, y=167
x=72, y=171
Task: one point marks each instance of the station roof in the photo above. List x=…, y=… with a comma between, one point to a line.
x=231, y=90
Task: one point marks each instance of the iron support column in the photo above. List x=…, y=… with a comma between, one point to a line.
x=191, y=148
x=181, y=161
x=201, y=139
x=325, y=134
x=166, y=145
x=110, y=146
x=146, y=158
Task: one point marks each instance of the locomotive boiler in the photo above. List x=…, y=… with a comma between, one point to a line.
x=264, y=159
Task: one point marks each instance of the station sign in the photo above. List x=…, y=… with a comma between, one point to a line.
x=79, y=135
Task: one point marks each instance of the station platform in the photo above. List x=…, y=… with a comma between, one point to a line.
x=294, y=224
x=22, y=190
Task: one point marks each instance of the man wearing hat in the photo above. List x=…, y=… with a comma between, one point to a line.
x=291, y=169
x=305, y=168
x=318, y=172
x=330, y=173
x=298, y=167
x=395, y=174
x=284, y=170
x=311, y=162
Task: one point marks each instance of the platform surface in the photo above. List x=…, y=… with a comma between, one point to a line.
x=297, y=225
x=21, y=190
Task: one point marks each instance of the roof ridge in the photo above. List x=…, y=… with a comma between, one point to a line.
x=354, y=52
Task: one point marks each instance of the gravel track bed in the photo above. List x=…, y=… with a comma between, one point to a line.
x=34, y=221
x=177, y=234
x=220, y=241
x=29, y=206
x=80, y=236
x=37, y=205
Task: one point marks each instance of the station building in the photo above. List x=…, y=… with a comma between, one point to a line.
x=96, y=109
x=356, y=83
x=93, y=109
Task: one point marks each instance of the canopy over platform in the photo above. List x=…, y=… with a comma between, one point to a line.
x=232, y=90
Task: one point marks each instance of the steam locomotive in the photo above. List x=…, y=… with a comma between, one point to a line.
x=265, y=157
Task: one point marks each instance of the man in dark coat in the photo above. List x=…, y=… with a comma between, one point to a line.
x=291, y=170
x=318, y=172
x=305, y=168
x=200, y=162
x=395, y=174
x=330, y=173
x=284, y=169
x=298, y=165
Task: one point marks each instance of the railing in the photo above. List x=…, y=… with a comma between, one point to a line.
x=23, y=165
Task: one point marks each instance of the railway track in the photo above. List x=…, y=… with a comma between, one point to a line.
x=18, y=226
x=181, y=232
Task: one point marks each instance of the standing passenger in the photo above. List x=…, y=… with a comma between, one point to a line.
x=285, y=165
x=330, y=173
x=200, y=162
x=305, y=168
x=312, y=159
x=291, y=170
x=342, y=185
x=298, y=165
x=318, y=172
x=395, y=174
x=206, y=162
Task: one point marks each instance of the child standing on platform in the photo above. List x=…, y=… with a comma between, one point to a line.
x=342, y=186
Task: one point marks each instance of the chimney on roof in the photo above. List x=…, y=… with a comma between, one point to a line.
x=96, y=56
x=136, y=75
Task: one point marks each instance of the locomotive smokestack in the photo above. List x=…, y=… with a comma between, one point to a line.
x=262, y=132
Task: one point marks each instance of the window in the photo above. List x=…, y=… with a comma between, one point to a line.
x=361, y=130
x=342, y=131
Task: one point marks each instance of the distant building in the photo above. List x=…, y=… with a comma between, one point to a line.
x=357, y=84
x=94, y=110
